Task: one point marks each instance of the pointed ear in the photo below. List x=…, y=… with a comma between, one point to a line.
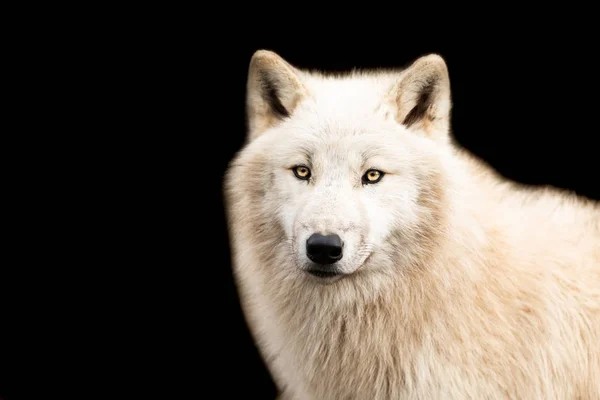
x=421, y=97
x=274, y=89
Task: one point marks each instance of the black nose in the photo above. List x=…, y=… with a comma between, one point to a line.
x=324, y=249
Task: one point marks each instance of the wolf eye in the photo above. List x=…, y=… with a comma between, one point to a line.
x=301, y=172
x=372, y=176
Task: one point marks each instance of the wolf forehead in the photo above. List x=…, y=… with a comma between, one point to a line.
x=353, y=96
x=353, y=150
x=342, y=104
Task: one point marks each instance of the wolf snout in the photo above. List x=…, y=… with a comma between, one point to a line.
x=324, y=249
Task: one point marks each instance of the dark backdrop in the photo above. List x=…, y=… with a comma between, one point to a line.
x=163, y=315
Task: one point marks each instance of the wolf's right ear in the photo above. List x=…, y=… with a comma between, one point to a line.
x=273, y=89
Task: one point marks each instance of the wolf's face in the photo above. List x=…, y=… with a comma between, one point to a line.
x=349, y=187
x=340, y=193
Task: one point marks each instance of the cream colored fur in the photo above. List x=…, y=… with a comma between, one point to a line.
x=460, y=284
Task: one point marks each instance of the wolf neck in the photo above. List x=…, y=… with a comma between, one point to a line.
x=383, y=326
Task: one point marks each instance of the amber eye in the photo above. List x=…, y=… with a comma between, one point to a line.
x=302, y=172
x=372, y=176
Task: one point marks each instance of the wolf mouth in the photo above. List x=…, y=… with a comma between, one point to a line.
x=323, y=274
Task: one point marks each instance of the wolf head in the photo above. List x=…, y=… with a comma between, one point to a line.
x=341, y=173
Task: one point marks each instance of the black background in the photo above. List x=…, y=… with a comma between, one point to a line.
x=163, y=316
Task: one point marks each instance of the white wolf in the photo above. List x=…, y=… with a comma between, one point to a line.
x=375, y=259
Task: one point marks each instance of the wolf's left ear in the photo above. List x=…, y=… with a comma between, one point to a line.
x=421, y=97
x=274, y=89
